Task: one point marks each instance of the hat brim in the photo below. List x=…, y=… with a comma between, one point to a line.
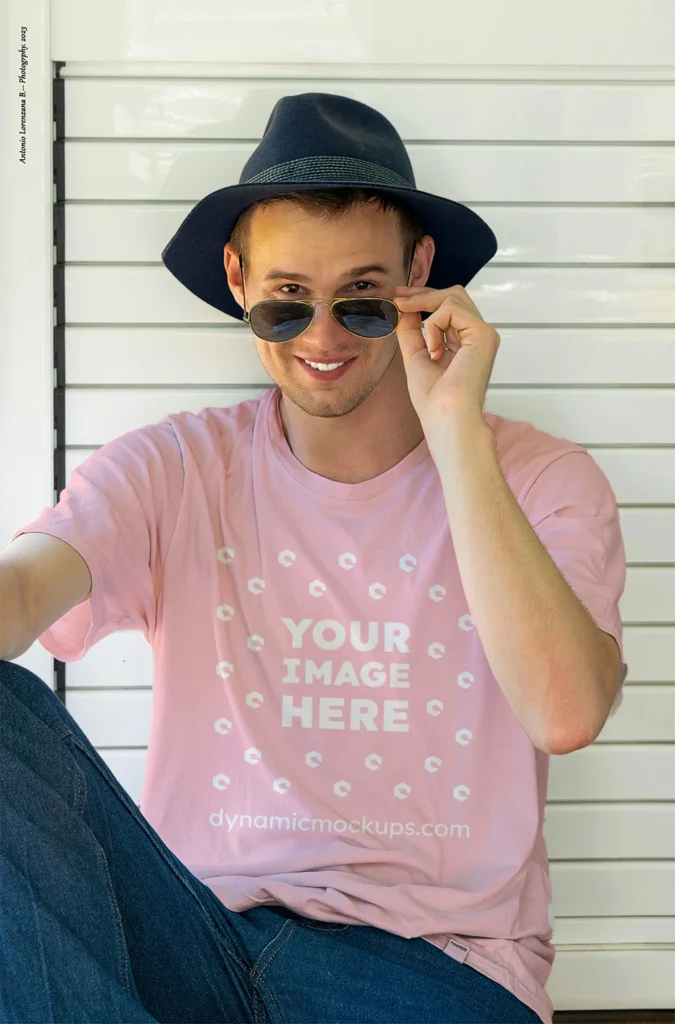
x=464, y=242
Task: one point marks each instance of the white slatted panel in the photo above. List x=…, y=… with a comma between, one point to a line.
x=522, y=172
x=224, y=358
x=577, y=178
x=135, y=293
x=432, y=110
x=514, y=33
x=595, y=416
x=135, y=234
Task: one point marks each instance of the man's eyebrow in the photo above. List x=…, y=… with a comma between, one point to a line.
x=277, y=273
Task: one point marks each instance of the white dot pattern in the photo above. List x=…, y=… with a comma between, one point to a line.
x=332, y=635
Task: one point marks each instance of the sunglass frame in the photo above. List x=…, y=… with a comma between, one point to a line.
x=326, y=302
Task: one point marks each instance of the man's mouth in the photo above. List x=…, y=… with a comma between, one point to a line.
x=326, y=371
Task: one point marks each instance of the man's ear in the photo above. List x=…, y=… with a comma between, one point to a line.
x=424, y=257
x=233, y=272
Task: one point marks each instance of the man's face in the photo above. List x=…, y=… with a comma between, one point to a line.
x=298, y=254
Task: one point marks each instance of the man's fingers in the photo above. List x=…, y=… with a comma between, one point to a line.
x=423, y=300
x=410, y=337
x=447, y=313
x=410, y=325
x=435, y=339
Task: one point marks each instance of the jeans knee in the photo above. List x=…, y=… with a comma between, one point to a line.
x=16, y=676
x=34, y=693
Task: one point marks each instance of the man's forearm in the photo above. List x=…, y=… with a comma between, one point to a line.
x=15, y=637
x=539, y=640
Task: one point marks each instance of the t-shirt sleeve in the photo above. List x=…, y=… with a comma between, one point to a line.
x=573, y=509
x=119, y=512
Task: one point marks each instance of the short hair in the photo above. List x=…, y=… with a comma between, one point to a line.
x=332, y=203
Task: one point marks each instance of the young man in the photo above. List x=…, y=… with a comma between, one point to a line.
x=375, y=611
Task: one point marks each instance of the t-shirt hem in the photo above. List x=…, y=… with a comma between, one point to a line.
x=506, y=978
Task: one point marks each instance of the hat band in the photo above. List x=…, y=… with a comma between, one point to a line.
x=331, y=168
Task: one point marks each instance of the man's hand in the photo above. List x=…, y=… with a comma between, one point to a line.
x=449, y=379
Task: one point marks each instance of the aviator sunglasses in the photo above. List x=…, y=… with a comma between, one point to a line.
x=286, y=319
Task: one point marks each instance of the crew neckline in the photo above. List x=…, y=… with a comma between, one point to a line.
x=335, y=489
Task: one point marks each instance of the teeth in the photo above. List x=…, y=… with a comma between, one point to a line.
x=325, y=366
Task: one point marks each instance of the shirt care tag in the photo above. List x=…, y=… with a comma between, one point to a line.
x=457, y=950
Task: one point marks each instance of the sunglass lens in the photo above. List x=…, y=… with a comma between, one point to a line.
x=369, y=318
x=280, y=321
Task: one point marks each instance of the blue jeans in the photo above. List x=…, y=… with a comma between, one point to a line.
x=100, y=922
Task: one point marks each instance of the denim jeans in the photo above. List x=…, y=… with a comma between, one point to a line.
x=100, y=921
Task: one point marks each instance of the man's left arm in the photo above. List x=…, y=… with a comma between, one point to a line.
x=558, y=670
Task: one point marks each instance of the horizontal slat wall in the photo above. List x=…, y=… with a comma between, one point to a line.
x=206, y=355
x=136, y=293
x=594, y=416
x=607, y=235
x=577, y=178
x=528, y=172
x=431, y=110
x=513, y=33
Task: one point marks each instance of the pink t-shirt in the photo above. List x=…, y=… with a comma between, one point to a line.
x=327, y=733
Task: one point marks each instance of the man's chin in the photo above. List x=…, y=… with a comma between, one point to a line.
x=329, y=403
x=337, y=402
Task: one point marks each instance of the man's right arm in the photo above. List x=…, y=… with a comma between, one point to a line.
x=41, y=578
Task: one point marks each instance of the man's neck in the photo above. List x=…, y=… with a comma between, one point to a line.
x=364, y=443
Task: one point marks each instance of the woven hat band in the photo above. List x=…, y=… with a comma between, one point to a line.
x=331, y=168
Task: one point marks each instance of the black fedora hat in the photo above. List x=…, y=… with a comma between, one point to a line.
x=315, y=141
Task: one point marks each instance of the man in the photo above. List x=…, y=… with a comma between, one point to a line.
x=375, y=612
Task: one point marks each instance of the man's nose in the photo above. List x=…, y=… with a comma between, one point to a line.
x=324, y=325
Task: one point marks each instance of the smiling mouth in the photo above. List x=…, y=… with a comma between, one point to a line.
x=326, y=371
x=332, y=359
x=328, y=365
